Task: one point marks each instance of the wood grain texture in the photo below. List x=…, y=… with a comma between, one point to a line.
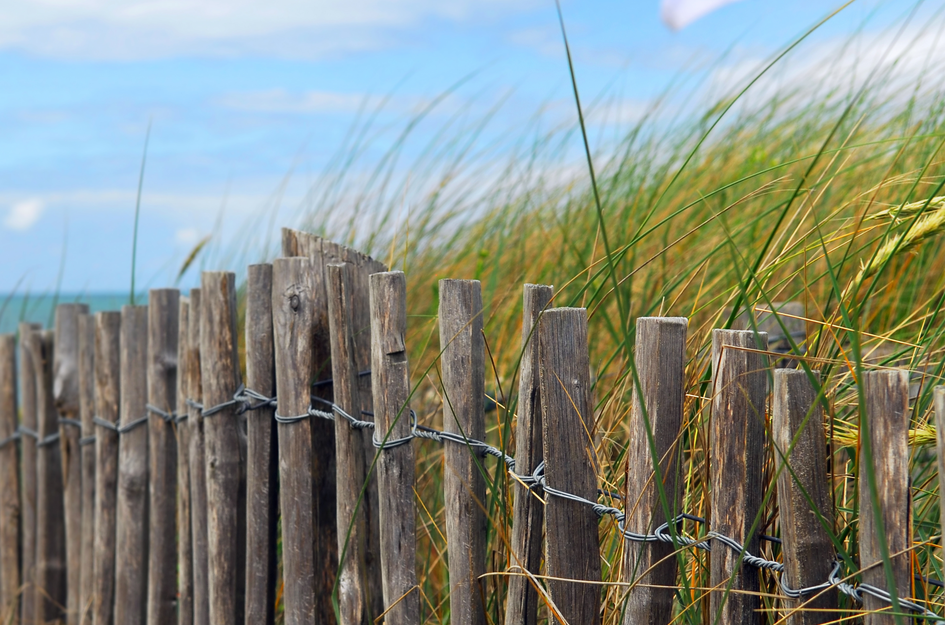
x=131, y=523
x=107, y=408
x=28, y=419
x=736, y=451
x=163, y=329
x=226, y=521
x=797, y=418
x=390, y=379
x=185, y=549
x=87, y=451
x=656, y=419
x=66, y=395
x=349, y=451
x=528, y=512
x=462, y=362
x=198, y=462
x=887, y=425
x=262, y=469
x=9, y=484
x=572, y=550
x=293, y=311
x=50, y=576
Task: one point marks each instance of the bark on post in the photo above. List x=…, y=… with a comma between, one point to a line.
x=107, y=409
x=528, y=512
x=390, y=378
x=567, y=407
x=220, y=373
x=293, y=311
x=163, y=327
x=66, y=395
x=185, y=550
x=797, y=416
x=50, y=576
x=262, y=486
x=28, y=422
x=887, y=427
x=9, y=483
x=349, y=450
x=87, y=450
x=198, y=463
x=736, y=449
x=657, y=412
x=463, y=367
x=131, y=524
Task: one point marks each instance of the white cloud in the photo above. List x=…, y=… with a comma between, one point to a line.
x=187, y=236
x=24, y=214
x=282, y=101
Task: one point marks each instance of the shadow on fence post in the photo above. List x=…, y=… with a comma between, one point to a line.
x=185, y=545
x=198, y=464
x=887, y=420
x=87, y=449
x=528, y=512
x=9, y=482
x=661, y=365
x=572, y=549
x=736, y=452
x=808, y=553
x=28, y=388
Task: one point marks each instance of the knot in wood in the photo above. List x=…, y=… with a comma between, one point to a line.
x=294, y=301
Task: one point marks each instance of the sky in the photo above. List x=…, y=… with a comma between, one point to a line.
x=248, y=102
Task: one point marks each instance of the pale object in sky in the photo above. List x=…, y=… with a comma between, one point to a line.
x=24, y=214
x=678, y=14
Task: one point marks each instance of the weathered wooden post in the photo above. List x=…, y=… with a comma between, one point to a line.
x=656, y=419
x=9, y=482
x=163, y=327
x=28, y=419
x=198, y=463
x=797, y=416
x=528, y=512
x=390, y=378
x=572, y=550
x=349, y=450
x=220, y=374
x=107, y=409
x=50, y=577
x=185, y=549
x=87, y=450
x=463, y=368
x=131, y=519
x=887, y=433
x=262, y=469
x=66, y=395
x=736, y=449
x=292, y=318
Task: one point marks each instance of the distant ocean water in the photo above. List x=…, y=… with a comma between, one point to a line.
x=39, y=308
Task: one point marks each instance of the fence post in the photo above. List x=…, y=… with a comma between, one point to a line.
x=887, y=427
x=131, y=523
x=796, y=414
x=390, y=381
x=220, y=375
x=262, y=469
x=349, y=451
x=9, y=482
x=107, y=406
x=572, y=550
x=657, y=411
x=28, y=416
x=528, y=512
x=737, y=435
x=163, y=327
x=463, y=368
x=198, y=464
x=87, y=449
x=185, y=549
x=66, y=396
x=50, y=525
x=292, y=317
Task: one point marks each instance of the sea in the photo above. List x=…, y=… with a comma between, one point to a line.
x=17, y=307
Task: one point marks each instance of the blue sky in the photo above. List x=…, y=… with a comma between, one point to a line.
x=249, y=101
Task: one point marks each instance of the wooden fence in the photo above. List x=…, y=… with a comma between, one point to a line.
x=144, y=480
